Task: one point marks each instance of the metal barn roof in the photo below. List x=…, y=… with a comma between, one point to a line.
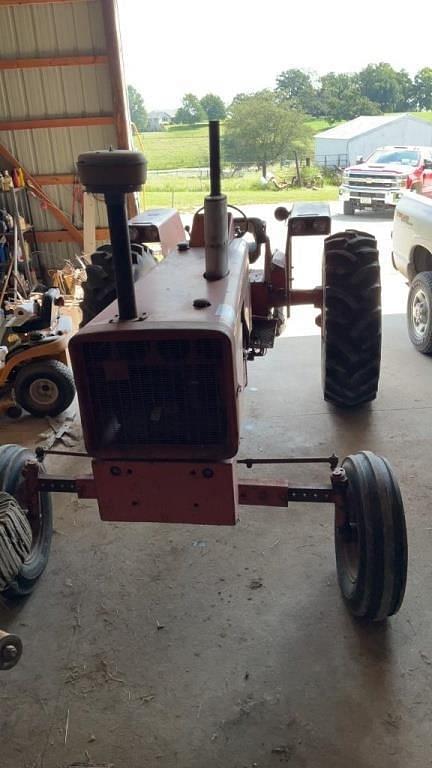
x=62, y=92
x=362, y=124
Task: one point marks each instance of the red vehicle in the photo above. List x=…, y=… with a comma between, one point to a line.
x=381, y=180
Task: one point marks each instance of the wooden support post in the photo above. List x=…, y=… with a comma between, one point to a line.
x=63, y=236
x=46, y=180
x=89, y=223
x=52, y=61
x=36, y=2
x=118, y=85
x=56, y=122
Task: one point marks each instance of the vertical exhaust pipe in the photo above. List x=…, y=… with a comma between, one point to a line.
x=215, y=214
x=114, y=173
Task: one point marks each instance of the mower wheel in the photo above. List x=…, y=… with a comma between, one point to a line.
x=371, y=544
x=351, y=320
x=419, y=312
x=100, y=288
x=12, y=461
x=44, y=389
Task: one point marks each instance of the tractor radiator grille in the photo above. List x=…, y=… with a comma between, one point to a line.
x=159, y=392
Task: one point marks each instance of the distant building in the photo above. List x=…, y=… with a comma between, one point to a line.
x=340, y=146
x=157, y=119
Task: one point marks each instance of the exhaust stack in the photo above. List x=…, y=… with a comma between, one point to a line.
x=115, y=173
x=215, y=214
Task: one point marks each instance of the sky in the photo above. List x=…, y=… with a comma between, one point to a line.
x=173, y=47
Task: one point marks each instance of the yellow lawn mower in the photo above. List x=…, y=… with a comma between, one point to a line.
x=34, y=371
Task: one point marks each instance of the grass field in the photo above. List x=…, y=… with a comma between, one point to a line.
x=187, y=193
x=176, y=147
x=181, y=146
x=424, y=115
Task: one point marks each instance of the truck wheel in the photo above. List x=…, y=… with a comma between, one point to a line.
x=351, y=320
x=419, y=312
x=348, y=208
x=100, y=289
x=44, y=389
x=371, y=543
x=12, y=461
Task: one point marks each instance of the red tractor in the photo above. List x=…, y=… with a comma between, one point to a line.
x=161, y=372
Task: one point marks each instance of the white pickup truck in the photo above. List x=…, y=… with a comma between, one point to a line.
x=412, y=256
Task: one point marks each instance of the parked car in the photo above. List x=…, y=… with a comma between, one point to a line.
x=412, y=256
x=381, y=180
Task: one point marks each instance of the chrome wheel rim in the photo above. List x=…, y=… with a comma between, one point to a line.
x=420, y=313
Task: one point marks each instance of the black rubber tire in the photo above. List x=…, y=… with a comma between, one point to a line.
x=51, y=370
x=351, y=319
x=12, y=460
x=14, y=412
x=348, y=208
x=99, y=289
x=371, y=548
x=420, y=303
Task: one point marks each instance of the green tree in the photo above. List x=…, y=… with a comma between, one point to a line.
x=295, y=87
x=422, y=89
x=261, y=131
x=190, y=111
x=341, y=98
x=387, y=87
x=213, y=106
x=137, y=109
x=236, y=100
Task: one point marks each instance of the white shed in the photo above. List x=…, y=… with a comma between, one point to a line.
x=340, y=146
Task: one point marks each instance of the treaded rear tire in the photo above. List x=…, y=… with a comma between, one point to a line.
x=351, y=321
x=100, y=289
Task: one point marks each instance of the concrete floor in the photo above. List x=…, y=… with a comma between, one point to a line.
x=240, y=675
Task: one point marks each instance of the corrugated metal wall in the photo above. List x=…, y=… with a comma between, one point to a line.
x=52, y=30
x=404, y=131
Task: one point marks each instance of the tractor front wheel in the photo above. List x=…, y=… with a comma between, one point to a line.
x=12, y=461
x=351, y=319
x=371, y=542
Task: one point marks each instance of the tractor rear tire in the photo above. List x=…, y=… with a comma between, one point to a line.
x=44, y=389
x=351, y=319
x=12, y=461
x=100, y=287
x=371, y=544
